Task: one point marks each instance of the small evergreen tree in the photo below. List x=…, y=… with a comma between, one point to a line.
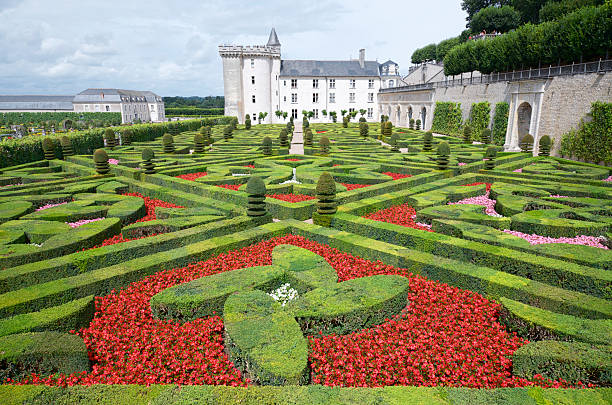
x=199, y=143
x=168, y=143
x=282, y=138
x=526, y=144
x=490, y=155
x=266, y=146
x=443, y=155
x=247, y=122
x=545, y=145
x=305, y=123
x=485, y=136
x=418, y=124
x=363, y=129
x=109, y=136
x=227, y=132
x=126, y=137
x=324, y=145
x=393, y=142
x=48, y=148
x=66, y=146
x=256, y=190
x=345, y=121
x=467, y=134
x=101, y=161
x=388, y=130
x=147, y=161
x=427, y=141
x=411, y=123
x=308, y=138
x=326, y=194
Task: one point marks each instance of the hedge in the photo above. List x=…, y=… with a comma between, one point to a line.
x=584, y=34
x=173, y=111
x=480, y=116
x=447, y=118
x=589, y=141
x=39, y=118
x=500, y=123
x=43, y=353
x=572, y=362
x=311, y=394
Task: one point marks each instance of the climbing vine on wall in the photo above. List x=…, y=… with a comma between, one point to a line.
x=447, y=118
x=500, y=123
x=480, y=116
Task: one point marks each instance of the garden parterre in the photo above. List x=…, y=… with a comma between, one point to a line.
x=482, y=302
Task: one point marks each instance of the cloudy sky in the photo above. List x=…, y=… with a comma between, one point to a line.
x=170, y=47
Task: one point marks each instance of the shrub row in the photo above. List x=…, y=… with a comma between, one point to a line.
x=589, y=141
x=173, y=111
x=38, y=118
x=447, y=118
x=500, y=123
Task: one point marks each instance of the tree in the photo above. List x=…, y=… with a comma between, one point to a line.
x=555, y=9
x=353, y=114
x=262, y=116
x=529, y=9
x=334, y=116
x=324, y=112
x=474, y=6
x=278, y=113
x=501, y=19
x=362, y=111
x=343, y=112
x=444, y=46
x=285, y=115
x=425, y=54
x=310, y=114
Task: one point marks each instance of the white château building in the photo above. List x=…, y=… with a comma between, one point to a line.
x=256, y=80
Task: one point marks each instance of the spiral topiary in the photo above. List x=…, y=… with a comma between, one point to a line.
x=266, y=146
x=382, y=126
x=326, y=194
x=305, y=123
x=234, y=123
x=66, y=146
x=545, y=144
x=485, y=136
x=126, y=137
x=467, y=134
x=345, y=121
x=101, y=161
x=418, y=124
x=363, y=129
x=282, y=138
x=199, y=143
x=393, y=142
x=168, y=143
x=227, y=132
x=48, y=148
x=147, y=161
x=247, y=122
x=490, y=155
x=526, y=143
x=289, y=127
x=205, y=131
x=388, y=131
x=109, y=136
x=427, y=141
x=324, y=145
x=308, y=138
x=362, y=119
x=256, y=189
x=443, y=155
x=411, y=123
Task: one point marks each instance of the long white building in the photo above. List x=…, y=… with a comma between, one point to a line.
x=256, y=80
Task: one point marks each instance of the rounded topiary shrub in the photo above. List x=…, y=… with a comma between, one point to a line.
x=324, y=145
x=109, y=137
x=363, y=129
x=227, y=132
x=326, y=194
x=247, y=122
x=199, y=143
x=168, y=143
x=256, y=189
x=545, y=144
x=101, y=161
x=467, y=134
x=308, y=138
x=126, y=137
x=48, y=148
x=485, y=136
x=305, y=123
x=282, y=138
x=147, y=156
x=388, y=131
x=393, y=142
x=345, y=121
x=427, y=141
x=418, y=124
x=490, y=155
x=411, y=123
x=362, y=119
x=266, y=146
x=443, y=155
x=66, y=146
x=526, y=143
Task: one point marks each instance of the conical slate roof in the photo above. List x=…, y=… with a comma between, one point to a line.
x=273, y=40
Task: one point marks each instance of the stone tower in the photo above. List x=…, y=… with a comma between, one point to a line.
x=250, y=79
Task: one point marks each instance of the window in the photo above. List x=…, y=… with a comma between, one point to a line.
x=253, y=97
x=252, y=63
x=315, y=97
x=315, y=83
x=351, y=97
x=316, y=113
x=370, y=112
x=252, y=79
x=371, y=84
x=332, y=83
x=294, y=97
x=285, y=99
x=285, y=83
x=152, y=107
x=370, y=97
x=294, y=113
x=390, y=83
x=294, y=83
x=332, y=97
x=351, y=110
x=97, y=107
x=86, y=107
x=352, y=83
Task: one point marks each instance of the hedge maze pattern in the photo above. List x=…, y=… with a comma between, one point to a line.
x=494, y=229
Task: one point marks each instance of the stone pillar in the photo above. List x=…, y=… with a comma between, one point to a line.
x=512, y=141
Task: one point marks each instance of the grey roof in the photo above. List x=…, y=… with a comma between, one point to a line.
x=389, y=62
x=273, y=40
x=36, y=102
x=115, y=96
x=329, y=68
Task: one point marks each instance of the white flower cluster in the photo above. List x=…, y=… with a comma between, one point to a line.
x=284, y=294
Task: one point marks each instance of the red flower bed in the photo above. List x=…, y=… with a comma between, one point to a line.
x=291, y=197
x=234, y=187
x=488, y=185
x=293, y=160
x=320, y=132
x=350, y=186
x=336, y=164
x=400, y=215
x=192, y=176
x=445, y=336
x=397, y=176
x=251, y=166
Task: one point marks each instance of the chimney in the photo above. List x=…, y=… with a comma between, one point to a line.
x=362, y=58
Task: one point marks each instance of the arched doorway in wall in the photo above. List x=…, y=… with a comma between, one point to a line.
x=389, y=112
x=399, y=115
x=409, y=113
x=423, y=117
x=523, y=120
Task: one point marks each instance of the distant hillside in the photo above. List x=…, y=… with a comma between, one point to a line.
x=194, y=101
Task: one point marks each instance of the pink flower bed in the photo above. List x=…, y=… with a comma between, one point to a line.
x=482, y=200
x=83, y=222
x=558, y=196
x=534, y=239
x=461, y=164
x=608, y=179
x=44, y=207
x=113, y=161
x=518, y=170
x=12, y=185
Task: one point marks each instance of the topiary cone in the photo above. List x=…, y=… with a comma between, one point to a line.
x=545, y=143
x=101, y=161
x=393, y=143
x=363, y=129
x=326, y=194
x=526, y=144
x=126, y=137
x=467, y=134
x=324, y=145
x=266, y=146
x=485, y=136
x=308, y=138
x=490, y=155
x=256, y=189
x=66, y=146
x=48, y=148
x=168, y=143
x=443, y=155
x=109, y=136
x=147, y=156
x=427, y=141
x=199, y=143
x=282, y=138
x=227, y=132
